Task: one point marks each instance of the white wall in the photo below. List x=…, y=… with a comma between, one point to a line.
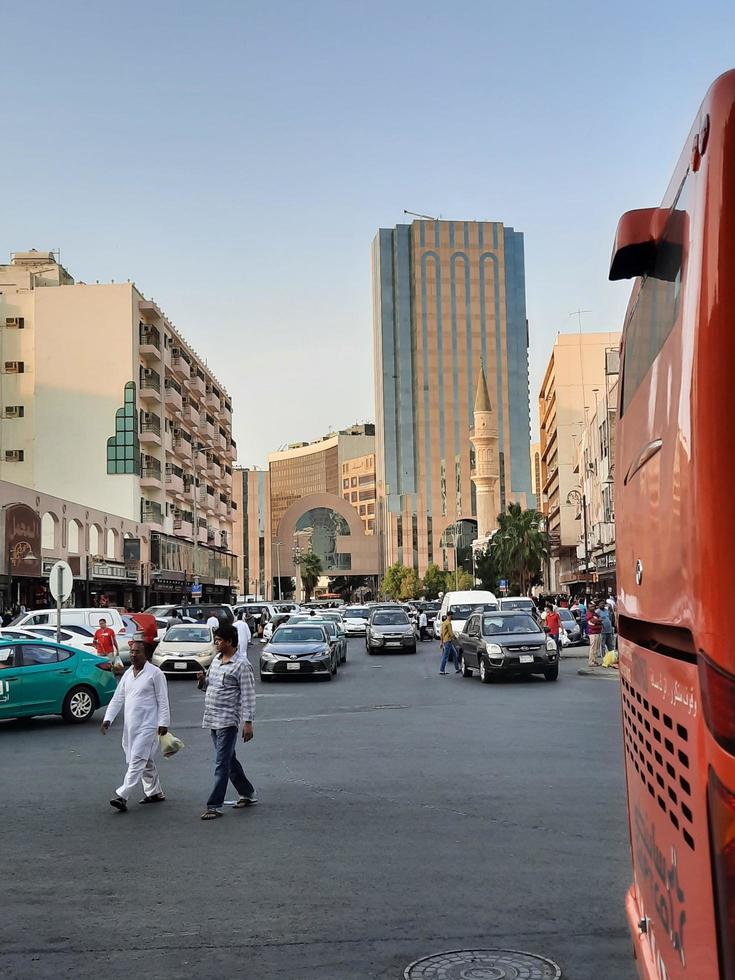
x=84, y=357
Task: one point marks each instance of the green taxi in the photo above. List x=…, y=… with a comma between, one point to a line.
x=38, y=677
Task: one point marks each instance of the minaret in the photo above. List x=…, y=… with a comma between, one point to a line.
x=486, y=473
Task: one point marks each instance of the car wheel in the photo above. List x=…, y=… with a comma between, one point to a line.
x=466, y=671
x=79, y=705
x=551, y=673
x=413, y=649
x=334, y=666
x=484, y=672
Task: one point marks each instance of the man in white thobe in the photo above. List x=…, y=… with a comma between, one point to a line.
x=243, y=634
x=144, y=693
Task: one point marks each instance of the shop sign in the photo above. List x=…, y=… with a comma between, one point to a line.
x=23, y=541
x=100, y=570
x=131, y=553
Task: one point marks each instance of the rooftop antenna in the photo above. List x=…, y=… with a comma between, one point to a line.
x=426, y=217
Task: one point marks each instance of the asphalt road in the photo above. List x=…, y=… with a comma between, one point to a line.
x=402, y=814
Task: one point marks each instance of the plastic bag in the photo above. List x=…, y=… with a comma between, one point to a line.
x=170, y=744
x=564, y=637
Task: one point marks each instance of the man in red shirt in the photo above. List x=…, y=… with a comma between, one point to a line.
x=553, y=625
x=105, y=641
x=594, y=631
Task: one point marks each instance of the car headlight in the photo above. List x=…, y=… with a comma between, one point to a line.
x=494, y=650
x=267, y=655
x=551, y=644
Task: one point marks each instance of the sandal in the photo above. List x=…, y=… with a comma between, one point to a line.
x=211, y=814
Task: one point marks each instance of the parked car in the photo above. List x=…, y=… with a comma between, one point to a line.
x=89, y=617
x=68, y=637
x=462, y=605
x=494, y=643
x=303, y=648
x=519, y=603
x=332, y=629
x=571, y=627
x=38, y=677
x=185, y=649
x=261, y=612
x=193, y=612
x=390, y=629
x=356, y=618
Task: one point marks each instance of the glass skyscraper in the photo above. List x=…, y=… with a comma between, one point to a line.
x=448, y=298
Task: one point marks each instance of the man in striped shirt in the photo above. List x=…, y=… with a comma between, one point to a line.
x=229, y=706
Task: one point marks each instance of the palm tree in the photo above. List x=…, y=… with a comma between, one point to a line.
x=520, y=545
x=311, y=568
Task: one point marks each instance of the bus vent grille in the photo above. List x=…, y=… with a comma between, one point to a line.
x=659, y=752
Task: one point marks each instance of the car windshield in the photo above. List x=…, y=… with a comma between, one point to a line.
x=465, y=609
x=298, y=634
x=327, y=624
x=188, y=634
x=524, y=604
x=491, y=625
x=565, y=614
x=398, y=618
x=356, y=613
x=159, y=610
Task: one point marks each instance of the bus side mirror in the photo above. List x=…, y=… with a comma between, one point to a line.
x=634, y=252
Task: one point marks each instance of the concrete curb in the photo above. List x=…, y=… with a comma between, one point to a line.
x=608, y=672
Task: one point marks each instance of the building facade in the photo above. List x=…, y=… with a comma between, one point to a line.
x=595, y=472
x=252, y=530
x=536, y=471
x=103, y=401
x=358, y=486
x=574, y=382
x=108, y=555
x=448, y=299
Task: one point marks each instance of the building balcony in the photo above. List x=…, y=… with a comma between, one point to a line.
x=221, y=507
x=180, y=366
x=150, y=476
x=197, y=383
x=149, y=388
x=151, y=512
x=190, y=413
x=203, y=532
x=227, y=411
x=231, y=451
x=220, y=440
x=173, y=396
x=150, y=432
x=174, y=484
x=211, y=400
x=183, y=528
x=149, y=343
x=206, y=430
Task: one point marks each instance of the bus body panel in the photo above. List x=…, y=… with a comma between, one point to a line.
x=675, y=541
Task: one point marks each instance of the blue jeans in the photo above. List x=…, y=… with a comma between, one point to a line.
x=447, y=651
x=608, y=642
x=227, y=768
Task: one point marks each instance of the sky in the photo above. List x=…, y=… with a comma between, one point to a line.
x=236, y=159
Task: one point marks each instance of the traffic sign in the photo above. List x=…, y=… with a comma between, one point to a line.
x=196, y=589
x=504, y=583
x=61, y=581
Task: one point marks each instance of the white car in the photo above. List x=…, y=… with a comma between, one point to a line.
x=77, y=639
x=355, y=619
x=185, y=648
x=89, y=618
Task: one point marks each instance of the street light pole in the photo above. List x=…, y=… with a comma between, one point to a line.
x=581, y=498
x=278, y=567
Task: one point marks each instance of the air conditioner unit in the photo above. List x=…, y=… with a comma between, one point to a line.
x=14, y=412
x=14, y=455
x=14, y=367
x=15, y=321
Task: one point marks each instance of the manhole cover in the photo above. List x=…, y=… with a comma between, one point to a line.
x=482, y=964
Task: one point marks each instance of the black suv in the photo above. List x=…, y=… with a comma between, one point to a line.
x=494, y=643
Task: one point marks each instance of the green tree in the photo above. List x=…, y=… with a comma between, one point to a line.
x=486, y=568
x=464, y=581
x=435, y=581
x=310, y=565
x=411, y=585
x=519, y=546
x=393, y=580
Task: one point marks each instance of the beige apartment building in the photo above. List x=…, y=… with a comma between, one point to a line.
x=536, y=471
x=103, y=401
x=252, y=527
x=358, y=486
x=574, y=382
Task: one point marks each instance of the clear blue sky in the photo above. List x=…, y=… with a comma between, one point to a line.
x=235, y=159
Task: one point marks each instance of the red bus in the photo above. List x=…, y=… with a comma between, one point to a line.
x=675, y=542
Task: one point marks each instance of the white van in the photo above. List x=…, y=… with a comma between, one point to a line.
x=461, y=605
x=72, y=617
